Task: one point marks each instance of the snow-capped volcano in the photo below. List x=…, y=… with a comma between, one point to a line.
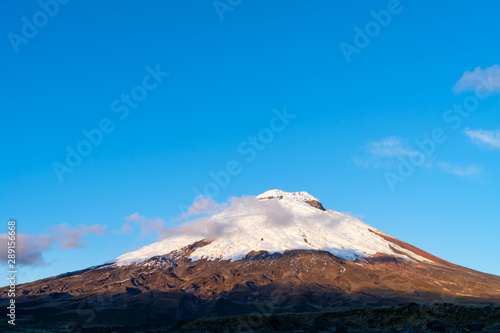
x=276, y=252
x=275, y=221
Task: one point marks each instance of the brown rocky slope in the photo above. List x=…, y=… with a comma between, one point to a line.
x=168, y=288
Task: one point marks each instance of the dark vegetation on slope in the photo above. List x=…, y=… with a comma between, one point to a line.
x=443, y=317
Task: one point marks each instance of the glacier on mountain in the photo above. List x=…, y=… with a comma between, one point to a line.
x=274, y=221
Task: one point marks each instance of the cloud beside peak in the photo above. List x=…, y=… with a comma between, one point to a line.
x=229, y=212
x=146, y=224
x=203, y=205
x=220, y=220
x=358, y=216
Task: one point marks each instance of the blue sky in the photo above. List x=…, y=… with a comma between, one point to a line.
x=318, y=97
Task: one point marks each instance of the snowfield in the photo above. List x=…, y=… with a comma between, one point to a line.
x=274, y=221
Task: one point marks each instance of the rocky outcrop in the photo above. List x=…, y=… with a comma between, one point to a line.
x=315, y=204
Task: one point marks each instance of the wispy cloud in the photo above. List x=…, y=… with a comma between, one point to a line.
x=390, y=147
x=389, y=153
x=484, y=81
x=490, y=139
x=458, y=170
x=68, y=238
x=358, y=216
x=126, y=228
x=385, y=153
x=148, y=225
x=30, y=248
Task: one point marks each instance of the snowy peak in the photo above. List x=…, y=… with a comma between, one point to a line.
x=276, y=221
x=291, y=196
x=279, y=194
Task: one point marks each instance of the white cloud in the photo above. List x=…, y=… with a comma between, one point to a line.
x=490, y=139
x=481, y=81
x=460, y=170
